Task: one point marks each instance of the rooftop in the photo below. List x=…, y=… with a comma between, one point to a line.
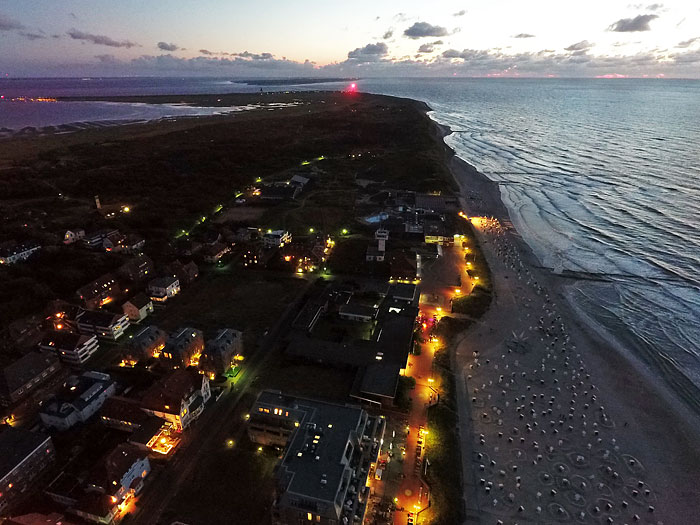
x=99, y=317
x=162, y=282
x=78, y=393
x=167, y=394
x=63, y=340
x=139, y=300
x=26, y=368
x=16, y=444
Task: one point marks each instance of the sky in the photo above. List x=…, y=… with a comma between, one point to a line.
x=310, y=38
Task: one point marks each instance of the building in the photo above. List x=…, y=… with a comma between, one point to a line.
x=163, y=288
x=403, y=266
x=81, y=397
x=185, y=273
x=114, y=242
x=375, y=253
x=25, y=455
x=137, y=269
x=276, y=239
x=101, y=291
x=148, y=342
x=122, y=414
x=299, y=180
x=72, y=236
x=36, y=518
x=184, y=347
x=329, y=448
x=138, y=308
x=213, y=253
x=133, y=243
x=220, y=353
x=357, y=312
x=73, y=349
x=430, y=203
x=381, y=234
x=279, y=192
x=11, y=252
x=435, y=232
x=178, y=398
x=104, y=325
x=120, y=475
x=406, y=293
x=23, y=376
x=96, y=239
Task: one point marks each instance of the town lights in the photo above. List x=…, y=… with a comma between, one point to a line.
x=345, y=231
x=230, y=443
x=311, y=230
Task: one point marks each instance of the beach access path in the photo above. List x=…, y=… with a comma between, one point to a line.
x=557, y=426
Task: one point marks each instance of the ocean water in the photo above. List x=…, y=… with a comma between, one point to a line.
x=599, y=176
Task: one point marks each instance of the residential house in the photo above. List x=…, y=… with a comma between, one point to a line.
x=178, y=398
x=148, y=342
x=404, y=292
x=122, y=414
x=138, y=308
x=184, y=347
x=101, y=291
x=104, y=325
x=375, y=254
x=221, y=352
x=276, y=239
x=133, y=243
x=23, y=376
x=279, y=192
x=12, y=252
x=81, y=397
x=137, y=269
x=357, y=312
x=435, y=232
x=72, y=236
x=299, y=180
x=96, y=239
x=120, y=474
x=185, y=273
x=71, y=348
x=25, y=456
x=402, y=266
x=114, y=242
x=94, y=507
x=163, y=288
x=214, y=252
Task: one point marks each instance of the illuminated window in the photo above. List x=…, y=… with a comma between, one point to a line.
x=309, y=516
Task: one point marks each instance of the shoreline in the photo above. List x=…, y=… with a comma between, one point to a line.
x=654, y=423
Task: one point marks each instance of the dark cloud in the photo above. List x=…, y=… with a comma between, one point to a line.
x=688, y=43
x=426, y=48
x=107, y=59
x=9, y=24
x=369, y=53
x=400, y=17
x=100, y=40
x=631, y=25
x=388, y=34
x=438, y=43
x=460, y=13
x=523, y=35
x=206, y=52
x=423, y=29
x=655, y=7
x=165, y=46
x=583, y=45
x=32, y=36
x=254, y=56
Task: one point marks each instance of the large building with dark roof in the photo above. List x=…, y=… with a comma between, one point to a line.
x=329, y=451
x=73, y=349
x=24, y=456
x=23, y=376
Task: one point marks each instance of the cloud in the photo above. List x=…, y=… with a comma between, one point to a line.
x=107, y=59
x=460, y=13
x=583, y=45
x=369, y=53
x=655, y=7
x=32, y=36
x=100, y=40
x=388, y=34
x=254, y=56
x=167, y=47
x=9, y=24
x=426, y=48
x=438, y=43
x=631, y=25
x=523, y=35
x=423, y=29
x=206, y=52
x=688, y=43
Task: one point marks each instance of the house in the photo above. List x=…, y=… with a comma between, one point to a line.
x=101, y=291
x=104, y=325
x=148, y=342
x=94, y=507
x=299, y=180
x=279, y=192
x=402, y=266
x=374, y=253
x=184, y=347
x=25, y=456
x=185, y=273
x=328, y=452
x=357, y=312
x=96, y=239
x=187, y=247
x=221, y=352
x=407, y=293
x=12, y=252
x=114, y=242
x=23, y=376
x=122, y=414
x=133, y=243
x=138, y=308
x=276, y=239
x=163, y=288
x=72, y=236
x=430, y=203
x=213, y=253
x=178, y=398
x=120, y=474
x=81, y=397
x=71, y=348
x=138, y=269
x=435, y=232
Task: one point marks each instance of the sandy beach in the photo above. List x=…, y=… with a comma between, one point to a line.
x=559, y=423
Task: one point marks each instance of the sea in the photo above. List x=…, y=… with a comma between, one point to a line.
x=600, y=177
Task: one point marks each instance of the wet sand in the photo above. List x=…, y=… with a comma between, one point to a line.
x=559, y=423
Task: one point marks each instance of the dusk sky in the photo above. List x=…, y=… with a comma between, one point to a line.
x=275, y=38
